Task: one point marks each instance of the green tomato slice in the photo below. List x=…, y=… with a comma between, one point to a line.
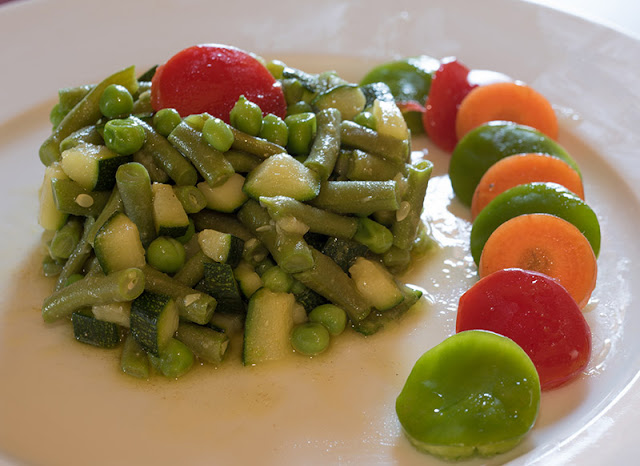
x=534, y=198
x=477, y=392
x=480, y=148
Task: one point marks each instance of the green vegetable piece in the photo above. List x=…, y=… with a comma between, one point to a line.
x=116, y=101
x=409, y=79
x=374, y=235
x=282, y=175
x=302, y=131
x=174, y=360
x=310, y=338
x=207, y=344
x=124, y=136
x=87, y=329
x=274, y=130
x=277, y=280
x=476, y=392
x=165, y=120
x=246, y=116
x=480, y=148
x=134, y=360
x=546, y=198
x=217, y=134
x=166, y=254
x=331, y=316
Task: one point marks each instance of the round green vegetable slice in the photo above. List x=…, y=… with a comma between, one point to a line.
x=534, y=198
x=477, y=392
x=488, y=143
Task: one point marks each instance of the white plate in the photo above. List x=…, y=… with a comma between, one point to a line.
x=65, y=403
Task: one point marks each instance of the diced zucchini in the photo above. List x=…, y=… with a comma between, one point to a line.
x=220, y=283
x=88, y=329
x=348, y=98
x=344, y=252
x=154, y=321
x=376, y=320
x=282, y=175
x=376, y=284
x=308, y=298
x=268, y=327
x=93, y=166
x=248, y=279
x=221, y=247
x=71, y=198
x=118, y=313
x=389, y=119
x=168, y=214
x=117, y=244
x=227, y=197
x=49, y=217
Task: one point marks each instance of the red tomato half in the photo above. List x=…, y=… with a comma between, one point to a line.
x=210, y=78
x=448, y=87
x=538, y=314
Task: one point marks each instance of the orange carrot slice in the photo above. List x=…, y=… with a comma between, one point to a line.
x=509, y=101
x=522, y=169
x=547, y=244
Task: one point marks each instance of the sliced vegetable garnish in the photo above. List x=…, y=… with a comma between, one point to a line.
x=476, y=392
x=538, y=314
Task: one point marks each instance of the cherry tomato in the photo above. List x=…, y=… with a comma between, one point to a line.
x=448, y=87
x=538, y=314
x=210, y=78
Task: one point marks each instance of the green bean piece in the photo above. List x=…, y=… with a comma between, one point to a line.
x=66, y=239
x=310, y=338
x=124, y=136
x=405, y=228
x=114, y=204
x=362, y=166
x=123, y=285
x=78, y=257
x=254, y=145
x=327, y=279
x=56, y=115
x=242, y=162
x=191, y=198
x=166, y=254
x=289, y=249
x=276, y=67
x=246, y=116
x=357, y=197
x=134, y=360
x=116, y=101
x=396, y=260
x=193, y=270
x=148, y=74
x=360, y=137
x=318, y=220
x=211, y=164
x=165, y=120
x=51, y=267
x=218, y=134
x=85, y=113
x=193, y=305
x=302, y=131
x=299, y=107
x=134, y=186
x=167, y=157
x=145, y=158
x=142, y=105
x=86, y=135
x=73, y=199
x=225, y=223
x=277, y=279
x=373, y=235
x=68, y=97
x=175, y=359
x=326, y=144
x=274, y=130
x=366, y=119
x=207, y=344
x=331, y=316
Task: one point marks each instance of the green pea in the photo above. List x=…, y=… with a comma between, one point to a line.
x=217, y=134
x=276, y=68
x=310, y=338
x=302, y=130
x=116, y=101
x=246, y=116
x=165, y=120
x=277, y=280
x=166, y=254
x=331, y=316
x=274, y=130
x=124, y=136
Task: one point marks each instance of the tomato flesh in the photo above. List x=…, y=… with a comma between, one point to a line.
x=538, y=314
x=448, y=87
x=210, y=78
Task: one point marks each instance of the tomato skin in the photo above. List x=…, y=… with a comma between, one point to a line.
x=538, y=314
x=448, y=87
x=210, y=78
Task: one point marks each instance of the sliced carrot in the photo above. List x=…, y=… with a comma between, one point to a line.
x=547, y=244
x=521, y=169
x=509, y=101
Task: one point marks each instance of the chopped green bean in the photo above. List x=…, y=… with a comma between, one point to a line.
x=207, y=344
x=326, y=144
x=191, y=198
x=114, y=204
x=78, y=257
x=87, y=135
x=374, y=235
x=246, y=116
x=134, y=186
x=274, y=130
x=359, y=137
x=66, y=239
x=134, y=360
x=357, y=197
x=193, y=270
x=254, y=145
x=242, y=162
x=302, y=131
